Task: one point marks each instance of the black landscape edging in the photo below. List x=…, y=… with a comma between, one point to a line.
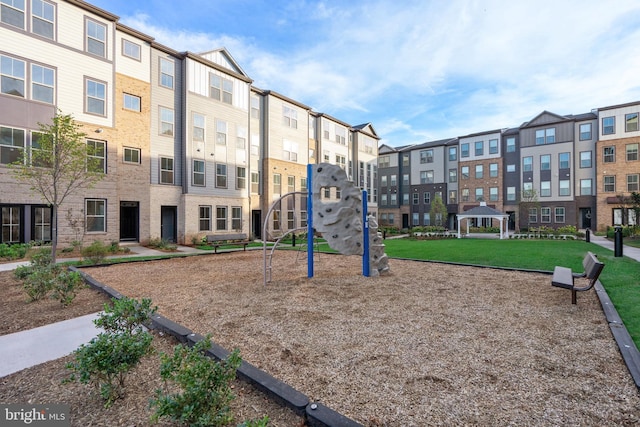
x=319, y=415
x=97, y=285
x=168, y=326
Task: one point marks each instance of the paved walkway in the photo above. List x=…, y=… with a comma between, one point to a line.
x=28, y=348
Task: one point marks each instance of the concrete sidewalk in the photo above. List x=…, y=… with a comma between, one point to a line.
x=629, y=251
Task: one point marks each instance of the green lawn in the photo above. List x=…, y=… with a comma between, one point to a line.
x=620, y=277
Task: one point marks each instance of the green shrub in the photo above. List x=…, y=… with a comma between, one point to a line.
x=204, y=383
x=105, y=361
x=66, y=286
x=39, y=281
x=567, y=229
x=14, y=251
x=162, y=244
x=95, y=252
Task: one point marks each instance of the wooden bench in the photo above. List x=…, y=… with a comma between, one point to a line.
x=217, y=240
x=564, y=278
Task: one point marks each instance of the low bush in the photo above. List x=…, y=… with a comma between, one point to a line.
x=205, y=386
x=96, y=252
x=162, y=244
x=14, y=251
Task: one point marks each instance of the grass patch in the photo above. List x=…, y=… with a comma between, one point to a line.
x=620, y=276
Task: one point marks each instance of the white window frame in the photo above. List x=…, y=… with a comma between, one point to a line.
x=241, y=177
x=166, y=170
x=221, y=132
x=14, y=151
x=95, y=36
x=131, y=102
x=131, y=155
x=131, y=50
x=221, y=175
x=98, y=151
x=221, y=218
x=199, y=178
x=17, y=73
x=236, y=218
x=95, y=218
x=43, y=78
x=204, y=218
x=43, y=15
x=94, y=97
x=167, y=121
x=167, y=73
x=14, y=8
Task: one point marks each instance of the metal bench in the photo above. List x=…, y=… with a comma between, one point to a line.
x=217, y=240
x=564, y=277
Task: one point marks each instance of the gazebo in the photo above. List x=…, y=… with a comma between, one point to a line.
x=484, y=211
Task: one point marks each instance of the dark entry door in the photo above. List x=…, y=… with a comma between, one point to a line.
x=129, y=214
x=256, y=220
x=405, y=220
x=168, y=222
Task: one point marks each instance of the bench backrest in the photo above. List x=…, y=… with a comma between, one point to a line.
x=223, y=237
x=592, y=267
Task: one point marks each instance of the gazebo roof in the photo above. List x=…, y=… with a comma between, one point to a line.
x=483, y=210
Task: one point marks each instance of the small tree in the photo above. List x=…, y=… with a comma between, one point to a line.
x=529, y=200
x=438, y=211
x=58, y=164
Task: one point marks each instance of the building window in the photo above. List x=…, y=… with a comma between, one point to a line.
x=166, y=121
x=255, y=107
x=426, y=198
x=493, y=146
x=564, y=160
x=527, y=164
x=511, y=145
x=221, y=132
x=585, y=159
x=42, y=84
x=511, y=168
x=290, y=153
x=131, y=102
x=415, y=219
x=167, y=73
x=166, y=170
x=221, y=175
x=303, y=218
x=198, y=173
x=131, y=155
x=96, y=38
x=465, y=194
x=198, y=127
x=631, y=122
x=96, y=156
x=12, y=76
x=464, y=150
x=205, y=218
x=545, y=188
x=632, y=182
x=426, y=156
x=95, y=215
x=394, y=199
x=545, y=136
x=255, y=182
x=383, y=200
x=559, y=215
x=453, y=197
x=341, y=135
x=383, y=181
x=383, y=161
x=405, y=198
x=453, y=154
x=11, y=145
x=393, y=178
x=415, y=198
x=479, y=148
x=290, y=117
x=255, y=145
x=96, y=97
x=632, y=152
x=221, y=88
x=131, y=49
x=426, y=219
x=527, y=188
x=511, y=194
x=426, y=177
x=565, y=189
x=609, y=184
x=42, y=224
x=236, y=218
x=585, y=187
x=12, y=12
x=493, y=194
x=493, y=170
x=608, y=125
x=479, y=171
x=221, y=217
x=545, y=215
x=241, y=137
x=241, y=178
x=464, y=170
x=453, y=175
x=291, y=185
x=585, y=131
x=533, y=215
x=479, y=194
x=545, y=162
x=609, y=154
x=277, y=185
x=276, y=219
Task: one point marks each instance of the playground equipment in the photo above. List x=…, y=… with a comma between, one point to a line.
x=343, y=223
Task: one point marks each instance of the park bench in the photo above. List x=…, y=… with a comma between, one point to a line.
x=564, y=277
x=217, y=240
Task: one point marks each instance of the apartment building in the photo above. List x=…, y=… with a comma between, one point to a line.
x=618, y=166
x=392, y=163
x=177, y=134
x=40, y=74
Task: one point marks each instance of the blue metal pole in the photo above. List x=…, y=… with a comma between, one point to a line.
x=309, y=221
x=365, y=244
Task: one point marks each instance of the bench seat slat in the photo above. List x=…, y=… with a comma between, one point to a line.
x=562, y=277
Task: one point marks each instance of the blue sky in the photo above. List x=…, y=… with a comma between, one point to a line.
x=417, y=70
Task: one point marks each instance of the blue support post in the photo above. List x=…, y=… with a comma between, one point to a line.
x=309, y=220
x=365, y=230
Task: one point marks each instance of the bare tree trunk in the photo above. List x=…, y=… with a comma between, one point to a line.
x=54, y=233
